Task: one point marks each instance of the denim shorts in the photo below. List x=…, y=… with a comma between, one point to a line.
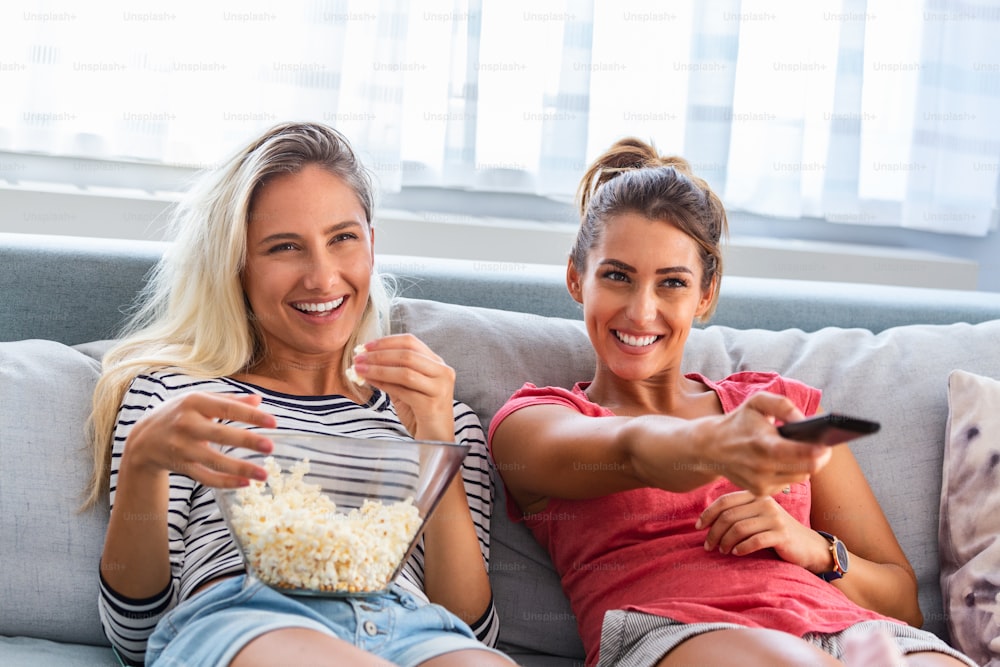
x=211, y=627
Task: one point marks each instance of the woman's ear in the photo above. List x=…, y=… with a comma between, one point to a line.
x=707, y=297
x=573, y=282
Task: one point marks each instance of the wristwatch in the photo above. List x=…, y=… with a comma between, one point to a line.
x=841, y=559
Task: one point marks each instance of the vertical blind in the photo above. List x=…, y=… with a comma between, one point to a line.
x=873, y=112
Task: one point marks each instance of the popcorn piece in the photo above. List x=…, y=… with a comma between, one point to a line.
x=352, y=373
x=353, y=376
x=295, y=538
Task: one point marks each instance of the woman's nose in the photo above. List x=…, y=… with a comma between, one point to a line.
x=642, y=307
x=321, y=272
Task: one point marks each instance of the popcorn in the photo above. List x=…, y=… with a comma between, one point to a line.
x=353, y=376
x=352, y=373
x=295, y=538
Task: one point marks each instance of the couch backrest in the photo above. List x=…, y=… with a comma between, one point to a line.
x=74, y=290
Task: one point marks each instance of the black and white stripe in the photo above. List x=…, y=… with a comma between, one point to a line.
x=200, y=546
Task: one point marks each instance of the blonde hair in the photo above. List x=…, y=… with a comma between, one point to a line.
x=192, y=314
x=632, y=176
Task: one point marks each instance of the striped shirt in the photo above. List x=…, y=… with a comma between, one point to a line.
x=201, y=548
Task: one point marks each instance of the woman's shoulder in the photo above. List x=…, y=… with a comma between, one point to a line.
x=530, y=394
x=741, y=385
x=754, y=378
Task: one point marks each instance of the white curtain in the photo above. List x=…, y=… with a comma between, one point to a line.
x=874, y=112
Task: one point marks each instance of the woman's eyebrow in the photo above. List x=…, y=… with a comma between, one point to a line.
x=618, y=264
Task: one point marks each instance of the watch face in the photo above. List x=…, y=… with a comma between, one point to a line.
x=842, y=557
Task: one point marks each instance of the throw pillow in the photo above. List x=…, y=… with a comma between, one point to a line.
x=970, y=516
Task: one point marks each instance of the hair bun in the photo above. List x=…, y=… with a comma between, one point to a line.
x=678, y=163
x=624, y=155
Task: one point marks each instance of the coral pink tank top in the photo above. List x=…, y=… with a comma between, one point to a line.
x=639, y=550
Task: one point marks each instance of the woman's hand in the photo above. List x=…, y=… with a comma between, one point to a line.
x=744, y=446
x=420, y=384
x=177, y=436
x=741, y=523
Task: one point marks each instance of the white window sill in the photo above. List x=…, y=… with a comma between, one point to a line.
x=106, y=211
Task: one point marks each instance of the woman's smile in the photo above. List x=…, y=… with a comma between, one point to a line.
x=635, y=341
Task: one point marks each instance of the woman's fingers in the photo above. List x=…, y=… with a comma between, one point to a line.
x=757, y=458
x=774, y=407
x=214, y=468
x=420, y=384
x=404, y=367
x=404, y=361
x=740, y=524
x=232, y=408
x=722, y=517
x=184, y=435
x=720, y=505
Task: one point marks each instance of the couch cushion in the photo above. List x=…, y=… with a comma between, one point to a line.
x=26, y=651
x=970, y=516
x=50, y=551
x=897, y=377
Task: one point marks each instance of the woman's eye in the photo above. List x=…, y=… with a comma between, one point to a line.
x=617, y=276
x=675, y=282
x=281, y=247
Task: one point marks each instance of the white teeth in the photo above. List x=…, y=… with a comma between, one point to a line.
x=636, y=341
x=318, y=307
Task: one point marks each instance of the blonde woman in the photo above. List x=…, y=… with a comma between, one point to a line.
x=253, y=316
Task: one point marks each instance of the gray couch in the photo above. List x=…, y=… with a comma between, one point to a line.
x=880, y=352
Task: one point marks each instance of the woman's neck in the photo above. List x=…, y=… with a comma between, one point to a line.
x=669, y=393
x=300, y=378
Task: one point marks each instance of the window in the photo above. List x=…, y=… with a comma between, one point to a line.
x=872, y=112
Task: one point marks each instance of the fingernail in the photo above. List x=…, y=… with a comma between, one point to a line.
x=260, y=475
x=697, y=524
x=707, y=547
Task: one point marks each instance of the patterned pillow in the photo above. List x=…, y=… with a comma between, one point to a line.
x=970, y=516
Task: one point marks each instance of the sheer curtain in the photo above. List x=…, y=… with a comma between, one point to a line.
x=871, y=112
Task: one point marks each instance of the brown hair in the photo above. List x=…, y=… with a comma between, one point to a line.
x=632, y=177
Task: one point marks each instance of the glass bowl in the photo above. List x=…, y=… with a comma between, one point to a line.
x=337, y=515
